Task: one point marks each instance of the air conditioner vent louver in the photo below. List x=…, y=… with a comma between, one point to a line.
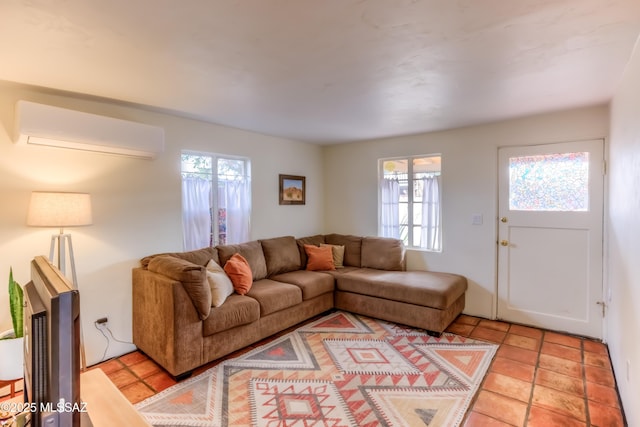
x=59, y=127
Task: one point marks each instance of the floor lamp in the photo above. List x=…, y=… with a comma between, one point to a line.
x=49, y=209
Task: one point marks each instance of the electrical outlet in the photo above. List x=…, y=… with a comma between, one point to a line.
x=102, y=321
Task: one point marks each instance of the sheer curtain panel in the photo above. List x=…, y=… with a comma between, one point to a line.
x=390, y=209
x=196, y=213
x=235, y=197
x=430, y=229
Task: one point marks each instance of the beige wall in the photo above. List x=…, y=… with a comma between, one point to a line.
x=136, y=203
x=623, y=322
x=469, y=179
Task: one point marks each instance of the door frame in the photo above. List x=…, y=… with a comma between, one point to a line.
x=606, y=288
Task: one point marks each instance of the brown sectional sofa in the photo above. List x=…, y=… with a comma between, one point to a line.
x=174, y=323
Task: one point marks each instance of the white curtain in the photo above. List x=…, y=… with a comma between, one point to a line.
x=390, y=215
x=430, y=230
x=235, y=198
x=196, y=213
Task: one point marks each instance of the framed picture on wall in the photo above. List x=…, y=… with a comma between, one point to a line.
x=292, y=190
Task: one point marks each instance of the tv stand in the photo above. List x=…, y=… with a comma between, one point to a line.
x=106, y=405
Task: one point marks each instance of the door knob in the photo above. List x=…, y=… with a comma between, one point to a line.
x=504, y=242
x=504, y=219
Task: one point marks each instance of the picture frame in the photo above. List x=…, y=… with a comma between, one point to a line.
x=292, y=189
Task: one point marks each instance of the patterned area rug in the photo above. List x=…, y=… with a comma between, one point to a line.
x=340, y=370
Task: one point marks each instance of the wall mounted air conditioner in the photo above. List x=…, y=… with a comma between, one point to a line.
x=59, y=127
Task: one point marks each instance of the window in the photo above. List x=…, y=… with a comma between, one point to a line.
x=216, y=199
x=409, y=202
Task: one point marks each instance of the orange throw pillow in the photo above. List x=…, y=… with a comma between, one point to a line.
x=238, y=270
x=319, y=257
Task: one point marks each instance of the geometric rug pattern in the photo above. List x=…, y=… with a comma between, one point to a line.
x=340, y=370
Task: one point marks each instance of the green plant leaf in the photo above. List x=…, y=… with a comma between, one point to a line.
x=15, y=305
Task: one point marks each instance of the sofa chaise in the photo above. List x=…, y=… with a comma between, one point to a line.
x=175, y=324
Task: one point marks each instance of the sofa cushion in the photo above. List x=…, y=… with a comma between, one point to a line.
x=316, y=240
x=383, y=253
x=340, y=271
x=219, y=283
x=312, y=283
x=198, y=256
x=238, y=270
x=352, y=247
x=319, y=258
x=251, y=251
x=274, y=296
x=338, y=254
x=237, y=310
x=281, y=254
x=193, y=278
x=426, y=288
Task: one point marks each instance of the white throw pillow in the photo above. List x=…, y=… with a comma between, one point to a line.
x=219, y=282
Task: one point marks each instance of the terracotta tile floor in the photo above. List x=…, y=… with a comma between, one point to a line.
x=538, y=378
x=541, y=378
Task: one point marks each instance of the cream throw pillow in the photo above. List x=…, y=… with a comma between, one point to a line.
x=338, y=254
x=219, y=282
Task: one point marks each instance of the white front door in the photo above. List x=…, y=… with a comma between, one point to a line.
x=550, y=236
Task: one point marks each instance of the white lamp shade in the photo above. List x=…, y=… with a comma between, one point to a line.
x=49, y=209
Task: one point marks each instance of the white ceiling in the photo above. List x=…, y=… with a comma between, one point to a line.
x=325, y=70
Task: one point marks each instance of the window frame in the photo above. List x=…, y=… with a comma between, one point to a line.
x=214, y=238
x=410, y=225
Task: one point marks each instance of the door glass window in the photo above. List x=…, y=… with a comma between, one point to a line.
x=549, y=182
